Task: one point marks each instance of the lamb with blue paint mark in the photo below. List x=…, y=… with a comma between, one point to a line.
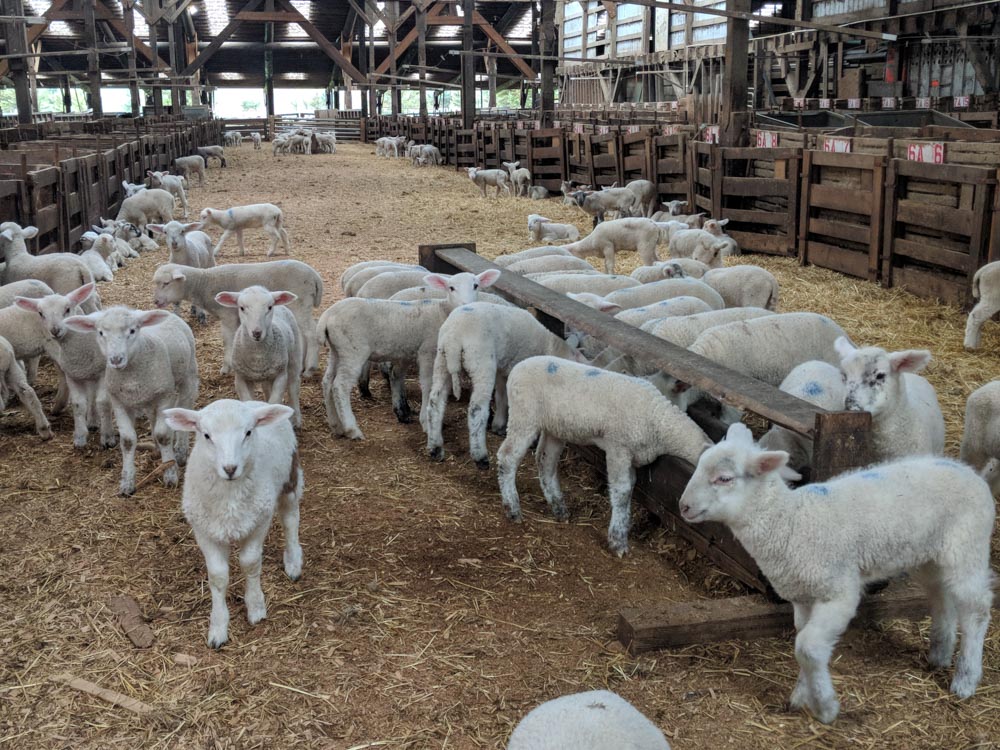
x=266, y=216
x=532, y=252
x=930, y=517
x=561, y=402
x=981, y=436
x=657, y=291
x=550, y=263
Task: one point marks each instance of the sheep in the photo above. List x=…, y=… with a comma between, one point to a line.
x=557, y=401
x=569, y=190
x=692, y=221
x=646, y=196
x=638, y=234
x=356, y=277
x=520, y=177
x=981, y=436
x=32, y=288
x=173, y=283
x=359, y=330
x=133, y=188
x=256, y=139
x=265, y=216
x=63, y=272
x=550, y=263
x=700, y=245
x=906, y=416
x=933, y=517
x=146, y=207
x=214, y=152
x=188, y=245
x=819, y=383
x=538, y=193
x=646, y=294
x=486, y=342
x=744, y=286
x=13, y=379
x=714, y=227
x=267, y=347
x=535, y=252
x=677, y=268
x=129, y=239
x=151, y=366
x=672, y=209
x=542, y=229
x=80, y=360
x=669, y=228
x=598, y=203
x=97, y=265
x=986, y=289
x=669, y=308
x=495, y=177
x=386, y=284
x=565, y=282
x=684, y=331
x=322, y=143
x=243, y=468
x=188, y=165
x=173, y=184
x=595, y=720
x=426, y=292
x=111, y=250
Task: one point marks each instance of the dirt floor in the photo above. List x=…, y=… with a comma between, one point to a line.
x=423, y=619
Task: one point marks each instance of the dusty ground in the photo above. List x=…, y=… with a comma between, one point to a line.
x=423, y=619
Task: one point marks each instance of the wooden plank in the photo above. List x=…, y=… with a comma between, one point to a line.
x=769, y=218
x=945, y=172
x=772, y=244
x=953, y=220
x=756, y=186
x=850, y=262
x=840, y=199
x=932, y=254
x=930, y=284
x=840, y=230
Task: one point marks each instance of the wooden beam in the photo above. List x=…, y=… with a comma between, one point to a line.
x=411, y=36
x=468, y=65
x=216, y=44
x=735, y=117
x=17, y=44
x=93, y=63
x=278, y=16
x=549, y=43
x=324, y=44
x=33, y=32
x=497, y=38
x=421, y=29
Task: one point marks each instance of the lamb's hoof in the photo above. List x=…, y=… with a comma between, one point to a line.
x=92, y=428
x=354, y=434
x=109, y=442
x=202, y=319
x=403, y=416
x=80, y=444
x=45, y=433
x=827, y=711
x=365, y=392
x=515, y=516
x=561, y=515
x=224, y=370
x=436, y=453
x=256, y=615
x=218, y=641
x=170, y=477
x=482, y=463
x=126, y=489
x=618, y=549
x=800, y=696
x=938, y=659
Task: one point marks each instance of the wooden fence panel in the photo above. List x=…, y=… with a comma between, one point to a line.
x=546, y=158
x=465, y=148
x=94, y=191
x=74, y=201
x=606, y=159
x=637, y=156
x=13, y=198
x=45, y=209
x=670, y=167
x=705, y=178
x=578, y=166
x=842, y=212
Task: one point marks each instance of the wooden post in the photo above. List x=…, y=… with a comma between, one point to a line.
x=175, y=67
x=548, y=41
x=17, y=44
x=133, y=76
x=491, y=72
x=396, y=92
x=363, y=67
x=67, y=95
x=735, y=119
x=269, y=63
x=536, y=53
x=468, y=66
x=157, y=91
x=422, y=56
x=93, y=63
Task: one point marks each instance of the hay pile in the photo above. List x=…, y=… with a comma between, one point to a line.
x=423, y=619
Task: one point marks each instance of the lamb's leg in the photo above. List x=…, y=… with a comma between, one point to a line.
x=397, y=386
x=288, y=508
x=127, y=436
x=547, y=456
x=800, y=695
x=981, y=313
x=239, y=240
x=80, y=402
x=310, y=341
x=499, y=425
x=228, y=334
x=509, y=456
x=621, y=479
x=243, y=389
x=483, y=377
x=184, y=203
x=332, y=417
x=347, y=376
x=109, y=438
x=363, y=382
x=275, y=236
x=31, y=369
x=250, y=563
x=284, y=240
x=62, y=395
x=186, y=399
x=944, y=620
x=813, y=648
x=201, y=177
x=217, y=564
x=222, y=239
x=164, y=437
x=609, y=260
x=972, y=596
x=425, y=368
x=18, y=383
x=293, y=388
x=440, y=383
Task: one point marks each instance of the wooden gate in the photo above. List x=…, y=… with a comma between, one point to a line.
x=670, y=167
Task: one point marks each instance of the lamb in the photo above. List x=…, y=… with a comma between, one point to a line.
x=744, y=286
x=80, y=360
x=700, y=245
x=569, y=191
x=678, y=268
x=542, y=229
x=267, y=347
x=586, y=282
x=416, y=293
x=646, y=196
x=488, y=342
x=672, y=209
x=550, y=263
x=386, y=284
x=355, y=278
x=97, y=265
x=981, y=437
x=214, y=152
x=188, y=165
x=232, y=139
x=691, y=221
x=638, y=234
x=598, y=203
x=322, y=143
x=63, y=272
x=265, y=216
x=906, y=416
x=494, y=177
x=669, y=308
x=715, y=227
x=819, y=383
x=129, y=239
x=557, y=402
x=646, y=294
x=986, y=289
x=173, y=283
x=13, y=379
x=538, y=193
x=147, y=206
x=151, y=367
x=520, y=177
x=535, y=252
x=684, y=331
x=173, y=184
x=669, y=228
x=595, y=720
x=32, y=288
x=362, y=330
x=243, y=468
x=133, y=188
x=112, y=250
x=840, y=535
x=188, y=245
x=256, y=139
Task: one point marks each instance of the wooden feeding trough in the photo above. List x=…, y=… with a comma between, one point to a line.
x=840, y=442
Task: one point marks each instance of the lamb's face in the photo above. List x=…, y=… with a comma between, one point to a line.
x=168, y=285
x=118, y=331
x=472, y=173
x=255, y=306
x=462, y=288
x=53, y=310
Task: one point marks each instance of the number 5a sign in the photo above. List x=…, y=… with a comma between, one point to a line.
x=931, y=153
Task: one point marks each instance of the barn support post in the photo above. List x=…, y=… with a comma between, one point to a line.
x=491, y=72
x=133, y=76
x=396, y=92
x=536, y=51
x=363, y=67
x=67, y=95
x=735, y=118
x=269, y=63
x=93, y=63
x=156, y=90
x=468, y=66
x=17, y=44
x=422, y=56
x=549, y=50
x=176, y=102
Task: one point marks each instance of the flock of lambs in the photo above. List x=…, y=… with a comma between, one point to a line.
x=119, y=364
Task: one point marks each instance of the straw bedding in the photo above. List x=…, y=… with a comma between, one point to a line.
x=423, y=619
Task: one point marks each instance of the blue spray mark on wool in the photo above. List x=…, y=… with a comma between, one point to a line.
x=406, y=304
x=871, y=475
x=812, y=388
x=593, y=373
x=640, y=309
x=466, y=308
x=818, y=489
x=552, y=369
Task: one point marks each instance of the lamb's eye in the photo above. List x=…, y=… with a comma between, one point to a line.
x=131, y=331
x=208, y=437
x=270, y=307
x=880, y=376
x=242, y=309
x=42, y=316
x=100, y=333
x=723, y=480
x=67, y=311
x=248, y=433
x=475, y=286
x=452, y=288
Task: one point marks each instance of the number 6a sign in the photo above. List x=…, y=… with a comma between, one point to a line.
x=931, y=153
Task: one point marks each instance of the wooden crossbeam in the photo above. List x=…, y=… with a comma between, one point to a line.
x=35, y=31
x=278, y=16
x=223, y=36
x=324, y=44
x=498, y=39
x=411, y=36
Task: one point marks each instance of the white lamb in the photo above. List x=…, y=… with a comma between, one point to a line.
x=110, y=249
x=981, y=436
x=671, y=307
x=366, y=264
x=906, y=416
x=602, y=285
x=244, y=467
x=97, y=265
x=596, y=720
x=133, y=188
x=676, y=268
x=538, y=193
x=619, y=235
x=497, y=178
x=212, y=152
x=256, y=139
x=657, y=291
x=387, y=283
x=646, y=196
x=986, y=289
x=265, y=216
x=744, y=286
x=928, y=516
x=672, y=208
x=267, y=347
x=716, y=227
x=146, y=207
x=486, y=342
x=63, y=272
x=188, y=245
x=598, y=203
x=520, y=177
x=550, y=264
x=542, y=229
x=684, y=331
x=700, y=245
x=13, y=379
x=191, y=165
x=362, y=330
x=173, y=184
x=354, y=279
x=535, y=252
x=561, y=402
x=692, y=221
x=151, y=367
x=819, y=383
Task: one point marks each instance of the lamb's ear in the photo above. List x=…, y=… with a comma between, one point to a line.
x=722, y=222
x=680, y=387
x=272, y=413
x=767, y=461
x=81, y=323
x=193, y=226
x=185, y=420
x=789, y=474
x=153, y=317
x=150, y=172
x=843, y=347
x=29, y=232
x=7, y=235
x=82, y=294
x=487, y=278
x=125, y=185
x=158, y=228
x=178, y=275
x=284, y=298
x=436, y=281
x=228, y=299
x=911, y=360
x=26, y=303
x=740, y=433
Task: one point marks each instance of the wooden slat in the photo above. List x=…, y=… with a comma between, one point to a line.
x=840, y=199
x=932, y=254
x=954, y=220
x=931, y=284
x=850, y=262
x=769, y=218
x=840, y=230
x=756, y=186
